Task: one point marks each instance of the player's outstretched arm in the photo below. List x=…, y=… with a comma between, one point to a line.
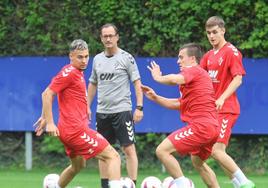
x=169, y=103
x=170, y=79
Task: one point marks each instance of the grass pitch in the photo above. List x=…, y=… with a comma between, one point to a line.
x=89, y=178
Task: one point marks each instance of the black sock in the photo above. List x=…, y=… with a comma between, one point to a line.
x=104, y=183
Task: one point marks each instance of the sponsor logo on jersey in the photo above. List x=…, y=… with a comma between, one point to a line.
x=213, y=75
x=106, y=76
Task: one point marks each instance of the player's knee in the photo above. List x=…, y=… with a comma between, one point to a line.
x=129, y=150
x=77, y=168
x=113, y=155
x=217, y=154
x=160, y=153
x=116, y=155
x=196, y=165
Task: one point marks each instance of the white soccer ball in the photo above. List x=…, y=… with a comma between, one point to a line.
x=51, y=180
x=167, y=181
x=151, y=182
x=127, y=183
x=189, y=182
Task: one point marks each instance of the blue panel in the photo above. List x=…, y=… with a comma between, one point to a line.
x=22, y=79
x=253, y=97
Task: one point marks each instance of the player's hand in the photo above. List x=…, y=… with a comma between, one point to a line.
x=52, y=130
x=40, y=125
x=155, y=70
x=219, y=103
x=149, y=92
x=137, y=116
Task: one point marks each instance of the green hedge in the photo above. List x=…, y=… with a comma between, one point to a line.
x=250, y=152
x=147, y=28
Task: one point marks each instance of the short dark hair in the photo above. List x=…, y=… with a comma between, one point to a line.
x=193, y=49
x=109, y=25
x=215, y=21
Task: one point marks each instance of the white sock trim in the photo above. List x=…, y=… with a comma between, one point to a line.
x=240, y=176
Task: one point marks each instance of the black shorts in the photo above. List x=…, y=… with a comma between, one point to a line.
x=117, y=126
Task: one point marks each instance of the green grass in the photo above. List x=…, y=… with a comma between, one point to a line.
x=90, y=179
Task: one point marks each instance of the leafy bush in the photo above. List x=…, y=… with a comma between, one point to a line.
x=147, y=28
x=249, y=151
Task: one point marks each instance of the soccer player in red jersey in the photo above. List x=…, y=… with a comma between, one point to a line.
x=81, y=143
x=224, y=66
x=198, y=111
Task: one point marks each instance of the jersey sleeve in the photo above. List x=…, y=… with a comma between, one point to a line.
x=93, y=76
x=235, y=63
x=132, y=67
x=189, y=74
x=203, y=61
x=61, y=80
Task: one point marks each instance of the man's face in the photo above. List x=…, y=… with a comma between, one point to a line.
x=215, y=35
x=109, y=37
x=184, y=60
x=79, y=59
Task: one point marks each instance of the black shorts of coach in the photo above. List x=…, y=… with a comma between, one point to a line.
x=117, y=126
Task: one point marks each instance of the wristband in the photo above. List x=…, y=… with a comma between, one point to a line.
x=140, y=108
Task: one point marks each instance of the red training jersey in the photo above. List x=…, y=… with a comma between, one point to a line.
x=197, y=102
x=222, y=66
x=70, y=86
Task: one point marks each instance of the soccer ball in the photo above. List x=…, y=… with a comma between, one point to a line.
x=189, y=181
x=51, y=180
x=167, y=181
x=127, y=183
x=151, y=182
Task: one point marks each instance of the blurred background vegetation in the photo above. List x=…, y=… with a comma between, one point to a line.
x=250, y=153
x=147, y=28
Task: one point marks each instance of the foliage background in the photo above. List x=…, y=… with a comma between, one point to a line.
x=147, y=27
x=250, y=153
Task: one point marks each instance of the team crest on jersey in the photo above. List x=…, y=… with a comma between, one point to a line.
x=116, y=65
x=220, y=61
